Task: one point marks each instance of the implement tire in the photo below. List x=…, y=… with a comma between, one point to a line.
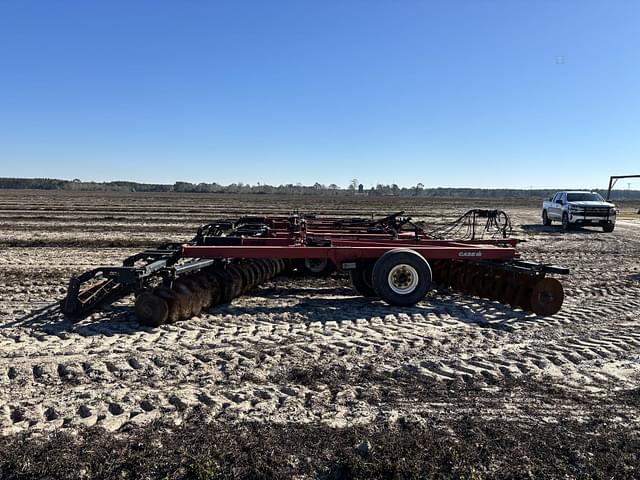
x=401, y=277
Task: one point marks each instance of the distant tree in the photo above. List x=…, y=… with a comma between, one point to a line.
x=183, y=187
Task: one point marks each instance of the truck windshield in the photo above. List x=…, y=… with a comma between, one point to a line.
x=584, y=197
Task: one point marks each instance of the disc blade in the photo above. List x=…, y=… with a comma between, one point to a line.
x=547, y=296
x=151, y=310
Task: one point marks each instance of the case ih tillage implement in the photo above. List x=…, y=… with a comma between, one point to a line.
x=390, y=258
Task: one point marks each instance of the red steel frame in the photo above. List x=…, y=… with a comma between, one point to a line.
x=293, y=239
x=343, y=251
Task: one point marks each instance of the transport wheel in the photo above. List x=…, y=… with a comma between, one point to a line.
x=151, y=310
x=566, y=226
x=361, y=280
x=401, y=277
x=608, y=228
x=545, y=219
x=547, y=296
x=317, y=267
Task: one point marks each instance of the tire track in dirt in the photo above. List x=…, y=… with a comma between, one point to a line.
x=236, y=361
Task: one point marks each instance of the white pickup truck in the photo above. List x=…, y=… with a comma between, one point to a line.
x=579, y=208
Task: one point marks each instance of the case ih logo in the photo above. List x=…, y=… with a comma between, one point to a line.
x=469, y=254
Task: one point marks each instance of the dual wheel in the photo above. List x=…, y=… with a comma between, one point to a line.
x=399, y=277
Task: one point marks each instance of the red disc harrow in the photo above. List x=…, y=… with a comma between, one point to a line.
x=390, y=258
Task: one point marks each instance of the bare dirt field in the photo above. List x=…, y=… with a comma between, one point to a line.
x=307, y=351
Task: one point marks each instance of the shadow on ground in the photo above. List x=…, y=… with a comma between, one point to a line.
x=452, y=307
x=557, y=229
x=119, y=319
x=298, y=305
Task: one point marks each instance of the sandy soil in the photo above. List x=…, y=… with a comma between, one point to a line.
x=253, y=359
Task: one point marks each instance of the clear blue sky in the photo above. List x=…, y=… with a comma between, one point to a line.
x=448, y=93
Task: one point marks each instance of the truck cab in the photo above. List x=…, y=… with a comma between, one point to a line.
x=579, y=209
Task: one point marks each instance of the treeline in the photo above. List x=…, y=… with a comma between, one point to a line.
x=78, y=185
x=354, y=188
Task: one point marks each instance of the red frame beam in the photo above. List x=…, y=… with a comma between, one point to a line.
x=344, y=253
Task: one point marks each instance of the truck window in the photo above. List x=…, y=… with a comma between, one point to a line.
x=584, y=197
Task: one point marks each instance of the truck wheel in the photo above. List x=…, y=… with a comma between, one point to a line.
x=545, y=219
x=566, y=226
x=401, y=277
x=361, y=280
x=608, y=228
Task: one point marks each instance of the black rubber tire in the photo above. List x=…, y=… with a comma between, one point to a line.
x=304, y=269
x=362, y=280
x=545, y=219
x=566, y=226
x=608, y=228
x=384, y=266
